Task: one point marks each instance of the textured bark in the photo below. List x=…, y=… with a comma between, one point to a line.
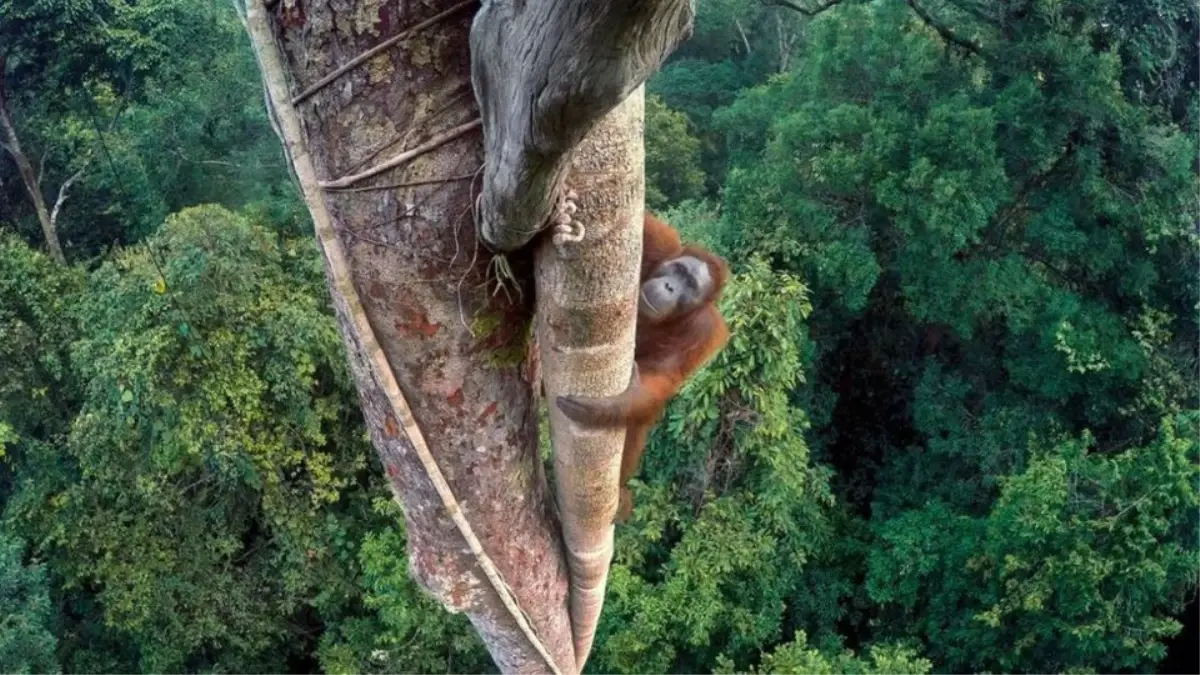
x=455, y=348
x=545, y=71
x=587, y=312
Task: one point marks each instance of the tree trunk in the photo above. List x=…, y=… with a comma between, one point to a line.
x=28, y=176
x=384, y=141
x=587, y=313
x=406, y=249
x=558, y=82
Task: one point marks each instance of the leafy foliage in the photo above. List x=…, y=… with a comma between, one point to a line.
x=149, y=103
x=673, y=171
x=37, y=392
x=710, y=573
x=410, y=633
x=210, y=489
x=26, y=643
x=1077, y=565
x=796, y=657
x=993, y=240
x=953, y=431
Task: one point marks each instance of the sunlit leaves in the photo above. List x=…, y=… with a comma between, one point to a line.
x=673, y=171
x=798, y=658
x=215, y=448
x=37, y=389
x=409, y=632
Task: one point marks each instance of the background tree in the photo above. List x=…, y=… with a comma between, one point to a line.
x=26, y=641
x=129, y=111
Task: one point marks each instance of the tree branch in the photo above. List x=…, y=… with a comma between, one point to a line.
x=62, y=196
x=806, y=11
x=408, y=184
x=559, y=88
x=544, y=72
x=943, y=30
x=12, y=144
x=586, y=321
x=432, y=144
x=742, y=32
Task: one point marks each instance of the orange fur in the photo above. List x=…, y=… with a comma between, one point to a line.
x=667, y=352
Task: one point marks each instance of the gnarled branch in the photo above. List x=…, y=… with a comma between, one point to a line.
x=544, y=72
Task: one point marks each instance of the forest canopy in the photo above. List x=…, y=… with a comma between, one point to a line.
x=954, y=429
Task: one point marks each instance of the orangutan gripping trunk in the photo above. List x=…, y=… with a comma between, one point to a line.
x=678, y=330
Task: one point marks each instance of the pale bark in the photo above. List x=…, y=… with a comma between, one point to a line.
x=742, y=32
x=62, y=197
x=31, y=179
x=788, y=34
x=410, y=257
x=587, y=313
x=544, y=72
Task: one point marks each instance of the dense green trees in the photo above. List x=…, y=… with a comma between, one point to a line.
x=26, y=641
x=954, y=429
x=1000, y=244
x=149, y=106
x=672, y=157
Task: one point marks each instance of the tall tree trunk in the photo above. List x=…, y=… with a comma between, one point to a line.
x=402, y=242
x=374, y=104
x=587, y=313
x=559, y=83
x=29, y=177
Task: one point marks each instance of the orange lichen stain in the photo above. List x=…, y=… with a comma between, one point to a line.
x=390, y=428
x=489, y=411
x=413, y=322
x=458, y=595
